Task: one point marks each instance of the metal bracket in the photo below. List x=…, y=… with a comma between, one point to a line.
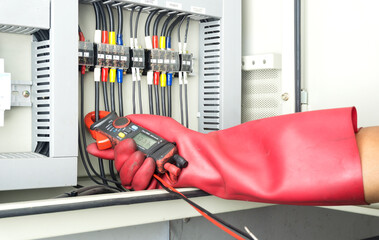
x=304, y=96
x=21, y=94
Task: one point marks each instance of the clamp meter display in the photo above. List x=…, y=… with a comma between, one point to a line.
x=111, y=129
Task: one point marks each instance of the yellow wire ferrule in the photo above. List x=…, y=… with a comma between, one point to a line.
x=163, y=80
x=162, y=42
x=112, y=38
x=112, y=75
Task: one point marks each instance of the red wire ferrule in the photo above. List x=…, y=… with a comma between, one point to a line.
x=81, y=37
x=83, y=70
x=104, y=74
x=156, y=78
x=104, y=37
x=155, y=41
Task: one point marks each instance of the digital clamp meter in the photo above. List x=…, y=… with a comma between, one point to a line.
x=116, y=129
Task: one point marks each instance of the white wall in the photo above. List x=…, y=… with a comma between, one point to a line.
x=340, y=49
x=341, y=56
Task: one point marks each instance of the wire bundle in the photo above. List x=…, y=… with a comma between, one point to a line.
x=101, y=25
x=165, y=79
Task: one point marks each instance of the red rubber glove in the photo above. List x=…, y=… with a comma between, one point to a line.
x=308, y=158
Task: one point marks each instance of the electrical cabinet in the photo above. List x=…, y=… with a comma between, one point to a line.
x=214, y=39
x=53, y=96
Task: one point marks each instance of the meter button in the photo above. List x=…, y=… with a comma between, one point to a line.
x=121, y=135
x=121, y=122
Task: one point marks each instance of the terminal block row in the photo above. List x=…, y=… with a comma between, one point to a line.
x=112, y=56
x=118, y=56
x=104, y=55
x=169, y=61
x=163, y=60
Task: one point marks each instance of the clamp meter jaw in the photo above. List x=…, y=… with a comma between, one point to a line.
x=111, y=129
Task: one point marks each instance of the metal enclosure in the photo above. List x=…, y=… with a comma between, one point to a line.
x=54, y=96
x=268, y=62
x=219, y=54
x=54, y=112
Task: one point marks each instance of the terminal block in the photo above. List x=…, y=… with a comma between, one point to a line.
x=138, y=59
x=112, y=56
x=163, y=60
x=156, y=60
x=172, y=61
x=186, y=62
x=86, y=54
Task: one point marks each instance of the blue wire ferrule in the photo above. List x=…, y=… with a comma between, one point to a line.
x=119, y=75
x=119, y=39
x=168, y=42
x=169, y=79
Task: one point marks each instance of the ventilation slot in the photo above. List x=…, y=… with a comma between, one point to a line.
x=210, y=65
x=261, y=94
x=17, y=29
x=20, y=155
x=41, y=92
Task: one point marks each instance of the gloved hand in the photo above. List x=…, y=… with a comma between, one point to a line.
x=308, y=158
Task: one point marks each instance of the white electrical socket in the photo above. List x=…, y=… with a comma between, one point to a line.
x=5, y=92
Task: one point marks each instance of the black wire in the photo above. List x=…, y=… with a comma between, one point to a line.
x=180, y=25
x=297, y=56
x=113, y=174
x=207, y=212
x=156, y=23
x=101, y=162
x=163, y=96
x=140, y=97
x=148, y=21
x=85, y=157
x=44, y=35
x=165, y=24
x=111, y=18
x=104, y=26
x=137, y=20
x=90, y=190
x=98, y=190
x=185, y=36
x=41, y=35
x=186, y=103
x=157, y=110
x=181, y=103
x=112, y=93
x=150, y=93
x=120, y=101
x=42, y=147
x=134, y=96
x=106, y=106
x=84, y=162
x=83, y=138
x=38, y=36
x=120, y=20
x=169, y=111
x=45, y=150
x=79, y=30
x=131, y=23
x=172, y=26
x=39, y=147
x=105, y=95
x=97, y=16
